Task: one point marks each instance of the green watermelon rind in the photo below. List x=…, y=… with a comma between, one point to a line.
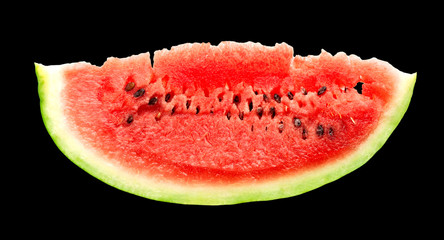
x=50, y=86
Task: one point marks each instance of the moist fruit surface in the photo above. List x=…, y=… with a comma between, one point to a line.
x=223, y=118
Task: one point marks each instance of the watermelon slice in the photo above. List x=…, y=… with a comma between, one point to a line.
x=224, y=124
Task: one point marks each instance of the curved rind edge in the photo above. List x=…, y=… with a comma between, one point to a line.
x=50, y=79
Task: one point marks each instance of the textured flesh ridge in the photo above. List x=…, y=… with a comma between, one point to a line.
x=230, y=113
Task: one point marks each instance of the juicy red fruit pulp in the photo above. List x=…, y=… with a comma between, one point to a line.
x=225, y=114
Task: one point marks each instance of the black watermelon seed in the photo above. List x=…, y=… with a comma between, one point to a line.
x=129, y=86
x=236, y=99
x=241, y=115
x=330, y=131
x=304, y=92
x=188, y=103
x=173, y=110
x=322, y=90
x=266, y=99
x=139, y=93
x=320, y=130
x=281, y=127
x=250, y=106
x=228, y=115
x=260, y=111
x=273, y=112
x=297, y=122
x=167, y=97
x=152, y=101
x=304, y=133
x=197, y=110
x=277, y=98
x=290, y=95
x=130, y=119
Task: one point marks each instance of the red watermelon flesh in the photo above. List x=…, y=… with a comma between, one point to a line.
x=236, y=115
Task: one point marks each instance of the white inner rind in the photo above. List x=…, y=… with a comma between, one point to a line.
x=51, y=85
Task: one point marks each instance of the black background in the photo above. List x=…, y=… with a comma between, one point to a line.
x=392, y=194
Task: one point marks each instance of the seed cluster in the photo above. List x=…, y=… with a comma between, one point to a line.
x=296, y=121
x=320, y=130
